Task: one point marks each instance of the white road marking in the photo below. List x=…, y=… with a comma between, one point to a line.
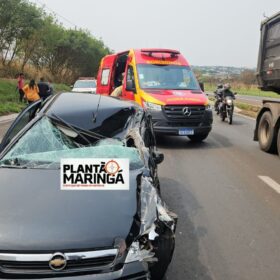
x=270, y=182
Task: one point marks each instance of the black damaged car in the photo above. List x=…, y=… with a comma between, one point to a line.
x=49, y=233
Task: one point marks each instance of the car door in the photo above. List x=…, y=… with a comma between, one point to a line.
x=129, y=92
x=20, y=122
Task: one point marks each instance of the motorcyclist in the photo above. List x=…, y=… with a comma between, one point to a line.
x=225, y=93
x=218, y=96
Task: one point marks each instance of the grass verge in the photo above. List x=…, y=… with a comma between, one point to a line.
x=247, y=109
x=9, y=97
x=241, y=90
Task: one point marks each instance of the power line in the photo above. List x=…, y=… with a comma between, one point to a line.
x=56, y=13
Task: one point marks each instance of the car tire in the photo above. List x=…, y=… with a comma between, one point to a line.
x=198, y=138
x=266, y=133
x=165, y=245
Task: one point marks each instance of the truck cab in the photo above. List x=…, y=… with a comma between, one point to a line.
x=161, y=81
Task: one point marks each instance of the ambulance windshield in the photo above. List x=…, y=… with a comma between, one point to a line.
x=153, y=76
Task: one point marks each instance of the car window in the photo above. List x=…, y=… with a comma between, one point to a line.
x=130, y=74
x=85, y=84
x=21, y=121
x=105, y=77
x=153, y=76
x=46, y=143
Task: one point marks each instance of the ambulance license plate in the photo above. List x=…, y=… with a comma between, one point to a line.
x=186, y=131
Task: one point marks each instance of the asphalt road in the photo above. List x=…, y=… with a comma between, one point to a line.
x=4, y=125
x=229, y=226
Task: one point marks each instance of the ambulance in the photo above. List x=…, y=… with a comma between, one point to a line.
x=161, y=81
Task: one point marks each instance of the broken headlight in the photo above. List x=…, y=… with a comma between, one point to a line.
x=133, y=253
x=138, y=253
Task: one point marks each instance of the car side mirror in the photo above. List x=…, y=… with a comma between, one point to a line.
x=130, y=86
x=158, y=157
x=201, y=86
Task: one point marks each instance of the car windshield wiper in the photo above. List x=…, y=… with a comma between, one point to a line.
x=80, y=132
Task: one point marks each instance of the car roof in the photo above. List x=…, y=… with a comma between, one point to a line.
x=81, y=110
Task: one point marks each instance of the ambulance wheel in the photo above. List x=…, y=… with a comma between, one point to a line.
x=198, y=137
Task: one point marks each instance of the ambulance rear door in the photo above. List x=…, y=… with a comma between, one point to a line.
x=104, y=77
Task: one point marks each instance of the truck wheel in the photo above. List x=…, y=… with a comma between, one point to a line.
x=278, y=142
x=198, y=137
x=266, y=135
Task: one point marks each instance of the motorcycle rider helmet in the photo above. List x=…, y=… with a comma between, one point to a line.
x=227, y=86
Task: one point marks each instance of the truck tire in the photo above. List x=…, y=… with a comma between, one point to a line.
x=198, y=137
x=278, y=142
x=266, y=134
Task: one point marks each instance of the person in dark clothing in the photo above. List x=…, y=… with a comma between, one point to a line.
x=218, y=96
x=51, y=87
x=227, y=92
x=44, y=89
x=20, y=85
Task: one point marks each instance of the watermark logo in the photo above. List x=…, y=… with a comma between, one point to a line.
x=94, y=174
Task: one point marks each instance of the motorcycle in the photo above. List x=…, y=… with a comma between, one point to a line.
x=226, y=108
x=217, y=103
x=218, y=97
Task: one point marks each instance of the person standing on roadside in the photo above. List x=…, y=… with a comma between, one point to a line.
x=51, y=87
x=20, y=85
x=31, y=92
x=44, y=89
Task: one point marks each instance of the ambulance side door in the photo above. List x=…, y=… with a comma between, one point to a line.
x=129, y=87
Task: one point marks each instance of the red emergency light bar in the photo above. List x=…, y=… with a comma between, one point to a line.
x=150, y=52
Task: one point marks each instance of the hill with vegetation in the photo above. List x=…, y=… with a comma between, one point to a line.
x=33, y=42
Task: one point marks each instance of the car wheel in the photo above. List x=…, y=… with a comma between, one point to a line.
x=164, y=245
x=266, y=134
x=198, y=137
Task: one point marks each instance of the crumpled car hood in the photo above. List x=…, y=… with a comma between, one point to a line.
x=36, y=215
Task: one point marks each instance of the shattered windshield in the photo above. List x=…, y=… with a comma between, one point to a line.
x=46, y=143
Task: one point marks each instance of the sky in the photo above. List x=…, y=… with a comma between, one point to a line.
x=206, y=32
